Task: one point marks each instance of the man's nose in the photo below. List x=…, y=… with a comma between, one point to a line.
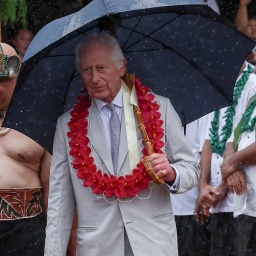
x=95, y=76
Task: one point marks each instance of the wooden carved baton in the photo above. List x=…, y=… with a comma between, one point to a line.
x=128, y=79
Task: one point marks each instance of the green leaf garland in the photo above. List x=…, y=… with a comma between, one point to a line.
x=218, y=145
x=248, y=123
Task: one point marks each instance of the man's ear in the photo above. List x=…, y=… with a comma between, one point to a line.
x=122, y=68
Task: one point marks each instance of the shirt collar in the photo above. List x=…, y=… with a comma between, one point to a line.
x=118, y=101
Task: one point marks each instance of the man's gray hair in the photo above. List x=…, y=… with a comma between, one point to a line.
x=101, y=39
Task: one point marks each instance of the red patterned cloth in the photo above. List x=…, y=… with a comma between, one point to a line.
x=19, y=203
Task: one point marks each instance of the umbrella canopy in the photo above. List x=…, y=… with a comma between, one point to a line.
x=181, y=49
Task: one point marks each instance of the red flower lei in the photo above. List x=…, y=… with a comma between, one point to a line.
x=111, y=185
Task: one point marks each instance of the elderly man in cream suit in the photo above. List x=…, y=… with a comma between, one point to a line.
x=121, y=211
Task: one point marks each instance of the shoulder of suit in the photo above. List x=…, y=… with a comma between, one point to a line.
x=163, y=100
x=65, y=115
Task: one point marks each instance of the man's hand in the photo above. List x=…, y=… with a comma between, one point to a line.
x=161, y=167
x=237, y=182
x=202, y=214
x=208, y=197
x=229, y=166
x=222, y=189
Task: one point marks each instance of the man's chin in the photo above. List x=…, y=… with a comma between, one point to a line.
x=103, y=97
x=99, y=94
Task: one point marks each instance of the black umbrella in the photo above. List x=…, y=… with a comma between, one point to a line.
x=184, y=51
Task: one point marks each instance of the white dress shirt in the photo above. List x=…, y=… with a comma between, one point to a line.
x=184, y=204
x=105, y=113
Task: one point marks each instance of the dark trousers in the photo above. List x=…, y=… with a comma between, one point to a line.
x=222, y=231
x=193, y=236
x=24, y=237
x=245, y=236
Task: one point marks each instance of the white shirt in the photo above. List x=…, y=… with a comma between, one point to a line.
x=184, y=204
x=105, y=113
x=216, y=177
x=248, y=92
x=246, y=203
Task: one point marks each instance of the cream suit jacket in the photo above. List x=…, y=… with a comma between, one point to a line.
x=149, y=223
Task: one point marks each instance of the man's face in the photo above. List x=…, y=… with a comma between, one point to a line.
x=252, y=28
x=100, y=75
x=22, y=41
x=6, y=89
x=6, y=84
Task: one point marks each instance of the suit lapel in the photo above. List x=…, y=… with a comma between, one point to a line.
x=98, y=138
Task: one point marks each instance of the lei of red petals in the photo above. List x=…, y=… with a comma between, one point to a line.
x=111, y=185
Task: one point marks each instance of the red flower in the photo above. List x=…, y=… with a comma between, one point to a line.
x=122, y=186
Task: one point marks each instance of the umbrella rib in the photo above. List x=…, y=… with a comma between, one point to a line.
x=132, y=30
x=168, y=48
x=196, y=68
x=144, y=35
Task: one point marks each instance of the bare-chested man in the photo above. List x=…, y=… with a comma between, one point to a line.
x=24, y=173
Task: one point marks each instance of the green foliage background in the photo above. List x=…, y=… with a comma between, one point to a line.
x=13, y=10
